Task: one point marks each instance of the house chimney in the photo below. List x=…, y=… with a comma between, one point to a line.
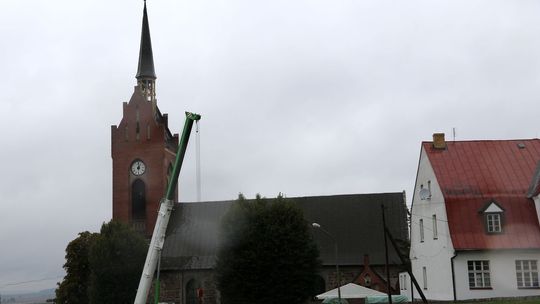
x=438, y=141
x=366, y=260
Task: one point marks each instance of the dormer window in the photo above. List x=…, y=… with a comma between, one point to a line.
x=493, y=217
x=493, y=221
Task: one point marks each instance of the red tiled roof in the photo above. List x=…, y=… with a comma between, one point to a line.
x=473, y=173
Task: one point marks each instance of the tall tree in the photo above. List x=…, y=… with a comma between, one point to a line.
x=267, y=254
x=73, y=289
x=116, y=260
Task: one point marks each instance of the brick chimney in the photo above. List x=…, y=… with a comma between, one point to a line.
x=438, y=141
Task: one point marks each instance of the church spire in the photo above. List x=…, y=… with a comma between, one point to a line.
x=146, y=75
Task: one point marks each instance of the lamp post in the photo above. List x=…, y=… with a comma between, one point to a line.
x=318, y=226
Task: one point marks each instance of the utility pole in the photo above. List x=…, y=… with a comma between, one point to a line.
x=386, y=257
x=404, y=262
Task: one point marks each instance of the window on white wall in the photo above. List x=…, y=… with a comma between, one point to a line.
x=403, y=282
x=479, y=275
x=435, y=236
x=527, y=273
x=424, y=274
x=421, y=230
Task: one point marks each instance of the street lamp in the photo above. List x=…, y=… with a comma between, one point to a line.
x=318, y=226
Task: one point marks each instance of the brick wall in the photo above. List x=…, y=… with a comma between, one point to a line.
x=174, y=286
x=150, y=146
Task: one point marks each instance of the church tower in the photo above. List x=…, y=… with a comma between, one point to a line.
x=143, y=148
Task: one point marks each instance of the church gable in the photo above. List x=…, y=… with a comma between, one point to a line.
x=142, y=121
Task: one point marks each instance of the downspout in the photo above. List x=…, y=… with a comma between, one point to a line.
x=453, y=275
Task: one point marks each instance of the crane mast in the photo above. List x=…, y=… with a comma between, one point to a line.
x=165, y=208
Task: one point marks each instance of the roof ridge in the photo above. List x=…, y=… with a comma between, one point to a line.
x=484, y=140
x=297, y=197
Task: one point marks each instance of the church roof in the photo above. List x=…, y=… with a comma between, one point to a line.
x=146, y=59
x=354, y=220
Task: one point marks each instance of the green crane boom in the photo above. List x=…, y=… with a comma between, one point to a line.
x=166, y=206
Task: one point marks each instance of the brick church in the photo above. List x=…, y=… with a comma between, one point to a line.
x=143, y=151
x=143, y=148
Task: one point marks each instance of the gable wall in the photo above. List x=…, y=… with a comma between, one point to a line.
x=434, y=254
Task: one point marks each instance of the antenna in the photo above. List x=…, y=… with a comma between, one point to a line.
x=424, y=194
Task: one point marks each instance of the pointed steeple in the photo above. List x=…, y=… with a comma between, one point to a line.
x=146, y=59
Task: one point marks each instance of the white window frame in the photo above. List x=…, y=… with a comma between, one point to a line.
x=493, y=223
x=479, y=274
x=424, y=274
x=527, y=274
x=421, y=223
x=435, y=235
x=404, y=282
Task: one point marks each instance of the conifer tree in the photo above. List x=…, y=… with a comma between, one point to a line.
x=267, y=254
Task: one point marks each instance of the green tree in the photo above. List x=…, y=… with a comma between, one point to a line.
x=116, y=260
x=267, y=254
x=103, y=267
x=73, y=289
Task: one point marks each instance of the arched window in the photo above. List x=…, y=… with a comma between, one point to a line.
x=191, y=291
x=138, y=200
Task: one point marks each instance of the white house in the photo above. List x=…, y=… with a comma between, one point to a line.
x=474, y=223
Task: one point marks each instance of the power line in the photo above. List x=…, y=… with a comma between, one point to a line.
x=30, y=281
x=429, y=217
x=427, y=228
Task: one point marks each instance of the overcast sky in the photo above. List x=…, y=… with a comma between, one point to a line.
x=304, y=97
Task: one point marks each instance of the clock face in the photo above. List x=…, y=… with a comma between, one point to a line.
x=138, y=167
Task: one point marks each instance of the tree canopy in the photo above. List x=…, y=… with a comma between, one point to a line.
x=116, y=259
x=103, y=267
x=73, y=289
x=267, y=253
